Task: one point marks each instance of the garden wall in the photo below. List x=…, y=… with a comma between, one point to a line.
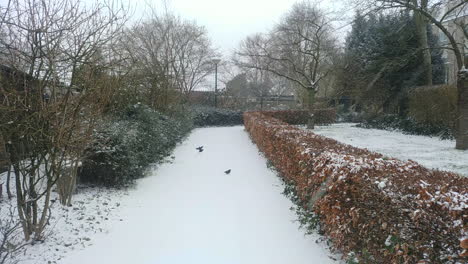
x=375, y=209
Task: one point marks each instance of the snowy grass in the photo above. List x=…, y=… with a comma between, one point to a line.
x=430, y=152
x=94, y=210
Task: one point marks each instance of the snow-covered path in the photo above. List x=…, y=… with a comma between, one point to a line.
x=191, y=212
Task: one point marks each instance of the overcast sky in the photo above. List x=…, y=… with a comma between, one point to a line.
x=230, y=21
x=227, y=21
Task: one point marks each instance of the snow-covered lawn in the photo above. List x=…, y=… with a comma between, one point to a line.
x=428, y=151
x=190, y=211
x=94, y=211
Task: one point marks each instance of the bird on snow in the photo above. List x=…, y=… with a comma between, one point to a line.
x=228, y=171
x=200, y=149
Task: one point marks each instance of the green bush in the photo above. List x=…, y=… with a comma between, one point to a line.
x=126, y=144
x=408, y=125
x=431, y=112
x=204, y=116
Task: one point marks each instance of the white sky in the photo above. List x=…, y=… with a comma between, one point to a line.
x=230, y=21
x=227, y=21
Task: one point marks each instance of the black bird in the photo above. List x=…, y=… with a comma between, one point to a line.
x=228, y=171
x=200, y=149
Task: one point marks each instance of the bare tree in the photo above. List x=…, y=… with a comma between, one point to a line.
x=166, y=53
x=299, y=49
x=193, y=56
x=46, y=116
x=259, y=84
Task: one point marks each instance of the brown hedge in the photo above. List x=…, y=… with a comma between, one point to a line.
x=323, y=116
x=382, y=210
x=294, y=117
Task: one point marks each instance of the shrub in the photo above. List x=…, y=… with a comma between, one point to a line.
x=293, y=117
x=126, y=144
x=432, y=112
x=376, y=210
x=350, y=117
x=434, y=106
x=323, y=116
x=204, y=116
x=408, y=125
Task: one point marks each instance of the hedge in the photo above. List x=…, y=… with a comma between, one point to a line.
x=128, y=143
x=376, y=209
x=299, y=117
x=434, y=106
x=204, y=116
x=409, y=125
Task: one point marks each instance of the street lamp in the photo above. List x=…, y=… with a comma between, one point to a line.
x=216, y=61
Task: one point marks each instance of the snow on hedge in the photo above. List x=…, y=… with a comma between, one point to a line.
x=369, y=197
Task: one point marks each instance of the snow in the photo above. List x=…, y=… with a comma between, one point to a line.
x=388, y=241
x=188, y=211
x=381, y=184
x=70, y=228
x=430, y=152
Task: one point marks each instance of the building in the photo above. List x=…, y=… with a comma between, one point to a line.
x=456, y=23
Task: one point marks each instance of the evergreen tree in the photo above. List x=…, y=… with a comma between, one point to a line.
x=383, y=60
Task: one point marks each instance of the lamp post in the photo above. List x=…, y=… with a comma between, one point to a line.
x=216, y=61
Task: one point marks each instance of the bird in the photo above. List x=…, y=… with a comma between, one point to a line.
x=228, y=171
x=200, y=149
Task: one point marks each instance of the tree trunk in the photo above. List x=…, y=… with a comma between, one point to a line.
x=8, y=182
x=421, y=29
x=462, y=121
x=20, y=203
x=310, y=104
x=66, y=183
